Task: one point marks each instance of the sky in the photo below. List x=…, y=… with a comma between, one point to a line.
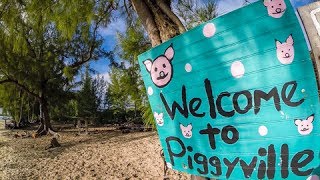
x=118, y=25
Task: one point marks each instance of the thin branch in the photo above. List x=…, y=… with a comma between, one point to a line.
x=9, y=80
x=84, y=60
x=126, y=8
x=34, y=55
x=5, y=81
x=92, y=47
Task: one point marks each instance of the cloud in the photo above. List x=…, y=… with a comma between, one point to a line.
x=106, y=77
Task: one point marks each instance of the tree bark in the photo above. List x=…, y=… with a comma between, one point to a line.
x=21, y=108
x=86, y=125
x=45, y=124
x=167, y=10
x=158, y=19
x=147, y=20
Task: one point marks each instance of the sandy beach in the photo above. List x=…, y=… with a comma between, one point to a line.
x=105, y=153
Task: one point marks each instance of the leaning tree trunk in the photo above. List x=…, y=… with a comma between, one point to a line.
x=158, y=19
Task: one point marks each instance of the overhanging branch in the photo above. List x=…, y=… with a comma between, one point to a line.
x=89, y=55
x=83, y=61
x=4, y=81
x=24, y=88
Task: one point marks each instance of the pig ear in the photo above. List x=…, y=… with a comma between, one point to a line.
x=278, y=43
x=189, y=126
x=148, y=64
x=169, y=53
x=310, y=118
x=181, y=126
x=161, y=115
x=155, y=114
x=297, y=122
x=266, y=2
x=290, y=40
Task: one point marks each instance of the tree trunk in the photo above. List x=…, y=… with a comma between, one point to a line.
x=79, y=126
x=45, y=124
x=21, y=108
x=158, y=19
x=86, y=126
x=148, y=21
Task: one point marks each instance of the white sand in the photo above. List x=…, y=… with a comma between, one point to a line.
x=107, y=154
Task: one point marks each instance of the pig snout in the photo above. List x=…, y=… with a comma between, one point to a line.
x=162, y=75
x=287, y=55
x=278, y=10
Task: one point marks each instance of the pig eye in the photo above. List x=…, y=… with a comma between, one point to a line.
x=155, y=69
x=271, y=6
x=281, y=51
x=289, y=49
x=164, y=66
x=279, y=4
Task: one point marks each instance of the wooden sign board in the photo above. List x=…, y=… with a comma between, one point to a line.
x=236, y=97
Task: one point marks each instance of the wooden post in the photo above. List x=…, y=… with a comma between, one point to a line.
x=310, y=16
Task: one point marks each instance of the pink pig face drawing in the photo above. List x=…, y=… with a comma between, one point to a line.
x=159, y=118
x=305, y=127
x=276, y=8
x=160, y=69
x=285, y=51
x=186, y=131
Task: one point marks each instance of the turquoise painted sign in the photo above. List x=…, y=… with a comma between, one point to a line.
x=236, y=98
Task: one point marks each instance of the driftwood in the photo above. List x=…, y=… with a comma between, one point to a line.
x=53, y=144
x=22, y=135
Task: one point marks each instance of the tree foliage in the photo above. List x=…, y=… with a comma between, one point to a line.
x=87, y=100
x=44, y=43
x=192, y=12
x=17, y=103
x=126, y=89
